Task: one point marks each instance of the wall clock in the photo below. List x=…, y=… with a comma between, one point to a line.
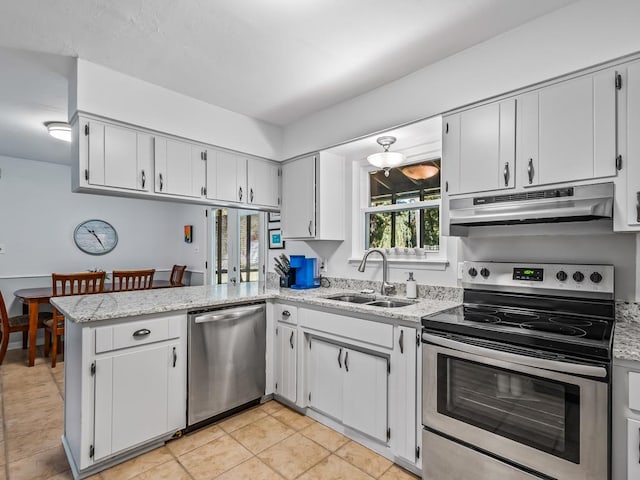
x=95, y=237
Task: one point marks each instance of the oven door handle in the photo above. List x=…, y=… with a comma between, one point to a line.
x=552, y=365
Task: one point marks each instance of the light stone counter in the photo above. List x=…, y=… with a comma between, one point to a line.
x=626, y=339
x=91, y=308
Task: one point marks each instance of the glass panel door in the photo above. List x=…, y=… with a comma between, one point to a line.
x=534, y=411
x=249, y=246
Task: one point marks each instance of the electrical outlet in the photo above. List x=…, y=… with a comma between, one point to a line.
x=3, y=248
x=323, y=266
x=460, y=270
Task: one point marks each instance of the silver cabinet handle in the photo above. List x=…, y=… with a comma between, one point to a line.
x=339, y=360
x=161, y=181
x=505, y=173
x=401, y=341
x=175, y=357
x=144, y=179
x=251, y=195
x=291, y=340
x=286, y=314
x=310, y=225
x=530, y=172
x=240, y=193
x=346, y=360
x=143, y=332
x=638, y=207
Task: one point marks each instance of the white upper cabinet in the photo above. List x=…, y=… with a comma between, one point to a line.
x=263, y=183
x=631, y=161
x=568, y=131
x=479, y=148
x=179, y=168
x=114, y=156
x=313, y=198
x=226, y=177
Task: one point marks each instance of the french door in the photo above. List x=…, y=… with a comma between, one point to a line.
x=236, y=246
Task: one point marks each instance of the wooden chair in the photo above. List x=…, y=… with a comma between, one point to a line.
x=177, y=272
x=124, y=280
x=18, y=323
x=63, y=285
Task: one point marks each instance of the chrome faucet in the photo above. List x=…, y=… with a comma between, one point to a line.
x=386, y=288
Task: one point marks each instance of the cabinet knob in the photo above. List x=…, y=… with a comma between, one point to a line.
x=286, y=314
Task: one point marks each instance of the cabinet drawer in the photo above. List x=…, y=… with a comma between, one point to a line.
x=634, y=391
x=285, y=313
x=375, y=333
x=131, y=334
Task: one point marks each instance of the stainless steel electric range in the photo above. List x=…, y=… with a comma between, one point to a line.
x=516, y=381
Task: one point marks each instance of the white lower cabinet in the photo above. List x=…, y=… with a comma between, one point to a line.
x=286, y=362
x=625, y=448
x=633, y=447
x=351, y=386
x=125, y=388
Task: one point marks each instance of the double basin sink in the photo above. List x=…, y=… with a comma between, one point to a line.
x=371, y=301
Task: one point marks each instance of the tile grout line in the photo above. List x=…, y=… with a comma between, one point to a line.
x=175, y=457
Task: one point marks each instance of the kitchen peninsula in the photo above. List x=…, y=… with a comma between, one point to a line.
x=126, y=370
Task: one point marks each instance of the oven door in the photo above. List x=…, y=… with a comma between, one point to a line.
x=545, y=415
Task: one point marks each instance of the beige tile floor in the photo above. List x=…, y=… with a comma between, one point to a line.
x=263, y=443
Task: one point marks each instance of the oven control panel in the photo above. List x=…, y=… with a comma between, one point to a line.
x=548, y=276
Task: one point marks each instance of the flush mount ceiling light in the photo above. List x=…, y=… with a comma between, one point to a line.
x=59, y=130
x=386, y=160
x=420, y=172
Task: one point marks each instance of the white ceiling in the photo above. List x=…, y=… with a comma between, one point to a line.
x=275, y=60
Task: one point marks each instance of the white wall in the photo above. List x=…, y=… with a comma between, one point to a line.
x=577, y=36
x=38, y=214
x=114, y=95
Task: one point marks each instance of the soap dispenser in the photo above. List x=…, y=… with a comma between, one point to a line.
x=412, y=289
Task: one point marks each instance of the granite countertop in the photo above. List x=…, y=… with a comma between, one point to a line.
x=91, y=308
x=626, y=337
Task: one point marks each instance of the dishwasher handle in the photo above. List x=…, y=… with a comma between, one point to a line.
x=228, y=315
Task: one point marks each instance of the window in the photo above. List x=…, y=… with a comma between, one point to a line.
x=236, y=243
x=403, y=209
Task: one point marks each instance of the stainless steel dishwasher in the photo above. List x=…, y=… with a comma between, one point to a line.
x=226, y=361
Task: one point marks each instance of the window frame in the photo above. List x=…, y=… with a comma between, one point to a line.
x=361, y=170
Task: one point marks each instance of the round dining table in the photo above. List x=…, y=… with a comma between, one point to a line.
x=34, y=297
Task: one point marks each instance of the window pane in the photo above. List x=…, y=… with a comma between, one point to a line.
x=220, y=239
x=379, y=230
x=405, y=228
x=249, y=247
x=405, y=184
x=431, y=235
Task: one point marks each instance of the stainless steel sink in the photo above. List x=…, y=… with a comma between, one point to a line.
x=365, y=300
x=352, y=298
x=390, y=303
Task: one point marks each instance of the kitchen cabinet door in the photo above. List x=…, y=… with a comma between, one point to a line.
x=299, y=199
x=180, y=169
x=633, y=448
x=263, y=183
x=326, y=378
x=365, y=393
x=286, y=362
x=632, y=160
x=131, y=398
x=227, y=177
x=568, y=131
x=117, y=156
x=487, y=147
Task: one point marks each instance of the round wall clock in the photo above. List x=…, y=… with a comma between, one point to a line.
x=95, y=237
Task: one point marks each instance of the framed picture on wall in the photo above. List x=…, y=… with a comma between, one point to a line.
x=274, y=217
x=275, y=239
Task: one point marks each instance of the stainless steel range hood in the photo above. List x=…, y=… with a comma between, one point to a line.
x=566, y=204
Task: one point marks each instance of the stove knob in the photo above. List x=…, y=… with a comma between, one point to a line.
x=595, y=277
x=578, y=277
x=484, y=272
x=473, y=272
x=561, y=275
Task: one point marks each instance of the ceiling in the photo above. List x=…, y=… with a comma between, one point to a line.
x=274, y=60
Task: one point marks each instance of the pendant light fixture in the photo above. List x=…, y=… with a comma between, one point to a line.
x=59, y=130
x=386, y=160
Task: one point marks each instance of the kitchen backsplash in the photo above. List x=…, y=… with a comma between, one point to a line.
x=453, y=294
